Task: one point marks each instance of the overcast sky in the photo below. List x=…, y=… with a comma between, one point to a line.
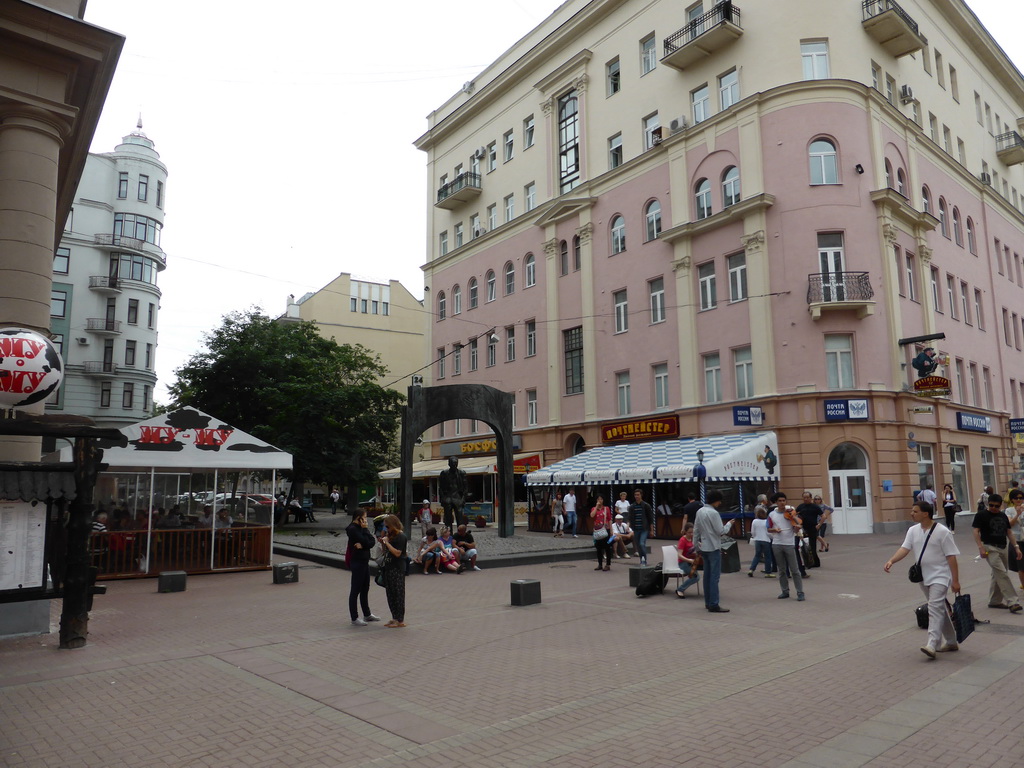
x=288, y=138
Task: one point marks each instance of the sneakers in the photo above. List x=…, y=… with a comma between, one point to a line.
x=750, y=574
x=783, y=596
x=477, y=568
x=769, y=575
x=1016, y=608
x=357, y=622
x=800, y=597
x=371, y=617
x=680, y=594
x=947, y=648
x=928, y=651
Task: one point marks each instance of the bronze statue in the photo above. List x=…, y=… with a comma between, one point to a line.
x=452, y=487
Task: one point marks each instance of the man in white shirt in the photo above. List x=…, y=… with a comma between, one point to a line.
x=927, y=495
x=940, y=572
x=569, y=505
x=623, y=535
x=782, y=524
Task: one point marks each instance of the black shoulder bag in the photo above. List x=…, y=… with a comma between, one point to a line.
x=915, y=570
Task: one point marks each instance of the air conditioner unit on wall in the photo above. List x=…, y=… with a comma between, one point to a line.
x=906, y=94
x=986, y=178
x=481, y=153
x=678, y=125
x=83, y=339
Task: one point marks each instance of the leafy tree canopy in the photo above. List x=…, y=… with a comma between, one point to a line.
x=287, y=385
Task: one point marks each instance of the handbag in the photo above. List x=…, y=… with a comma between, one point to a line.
x=378, y=579
x=962, y=616
x=915, y=574
x=600, y=534
x=921, y=613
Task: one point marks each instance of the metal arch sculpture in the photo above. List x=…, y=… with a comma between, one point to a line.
x=427, y=406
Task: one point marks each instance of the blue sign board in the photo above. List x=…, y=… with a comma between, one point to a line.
x=846, y=410
x=1016, y=426
x=747, y=416
x=970, y=422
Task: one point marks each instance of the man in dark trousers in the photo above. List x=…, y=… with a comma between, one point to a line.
x=810, y=512
x=641, y=516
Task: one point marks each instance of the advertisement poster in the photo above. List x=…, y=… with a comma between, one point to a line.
x=22, y=545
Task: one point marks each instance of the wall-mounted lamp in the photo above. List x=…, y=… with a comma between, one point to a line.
x=858, y=168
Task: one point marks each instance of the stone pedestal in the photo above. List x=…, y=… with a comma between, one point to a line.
x=525, y=592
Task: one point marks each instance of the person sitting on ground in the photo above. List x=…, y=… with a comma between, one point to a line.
x=430, y=551
x=449, y=552
x=467, y=549
x=687, y=558
x=623, y=535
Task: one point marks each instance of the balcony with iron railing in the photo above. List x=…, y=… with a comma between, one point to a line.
x=703, y=36
x=1010, y=148
x=99, y=368
x=105, y=284
x=461, y=189
x=892, y=27
x=131, y=244
x=840, y=291
x=102, y=326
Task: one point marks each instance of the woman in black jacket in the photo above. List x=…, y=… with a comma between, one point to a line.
x=360, y=542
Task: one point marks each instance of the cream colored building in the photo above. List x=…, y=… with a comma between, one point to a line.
x=383, y=317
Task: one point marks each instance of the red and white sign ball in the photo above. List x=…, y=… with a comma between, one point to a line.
x=31, y=368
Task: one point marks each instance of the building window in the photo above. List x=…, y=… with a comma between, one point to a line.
x=815, y=60
x=149, y=357
x=943, y=218
x=986, y=377
x=661, y=386
x=474, y=354
x=143, y=187
x=58, y=303
x=133, y=311
x=492, y=156
x=122, y=186
x=474, y=293
x=440, y=362
x=824, y=164
x=936, y=296
x=510, y=279
x=61, y=261
x=731, y=186
x=456, y=301
x=531, y=338
x=712, y=378
x=737, y=264
x=577, y=253
x=652, y=217
x=459, y=234
x=621, y=311
x=706, y=281
x=951, y=296
x=911, y=284
x=972, y=372
x=530, y=193
x=901, y=182
x=563, y=257
x=888, y=174
x=652, y=131
x=127, y=395
x=510, y=343
x=159, y=194
x=648, y=55
x=528, y=131
x=958, y=471
x=613, y=76
x=568, y=142
x=442, y=306
x=964, y=302
x=507, y=146
x=700, y=102
x=926, y=199
x=618, y=234
x=457, y=360
x=978, y=316
x=510, y=208
x=743, y=363
x=622, y=389
x=972, y=243
x=492, y=216
x=474, y=226
x=958, y=234
x=105, y=394
x=531, y=407
x=729, y=89
x=492, y=350
x=442, y=243
x=656, y=289
x=530, y=278
x=702, y=198
x=572, y=341
x=129, y=353
x=615, y=151
x=925, y=465
x=492, y=292
x=988, y=467
x=839, y=360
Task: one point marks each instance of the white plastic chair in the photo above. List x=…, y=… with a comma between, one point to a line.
x=670, y=564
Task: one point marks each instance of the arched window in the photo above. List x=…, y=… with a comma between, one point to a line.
x=456, y=300
x=731, y=186
x=442, y=306
x=577, y=256
x=901, y=182
x=888, y=174
x=652, y=216
x=703, y=198
x=563, y=258
x=943, y=217
x=824, y=163
x=958, y=234
x=618, y=234
x=972, y=243
x=531, y=270
x=847, y=456
x=926, y=199
x=510, y=279
x=474, y=297
x=492, y=291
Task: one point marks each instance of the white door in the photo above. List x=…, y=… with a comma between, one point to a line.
x=850, y=501
x=831, y=262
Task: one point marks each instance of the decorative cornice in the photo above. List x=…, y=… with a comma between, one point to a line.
x=681, y=265
x=753, y=242
x=585, y=233
x=551, y=247
x=896, y=205
x=733, y=213
x=924, y=253
x=562, y=208
x=890, y=233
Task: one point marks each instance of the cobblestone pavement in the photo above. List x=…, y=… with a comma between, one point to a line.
x=237, y=671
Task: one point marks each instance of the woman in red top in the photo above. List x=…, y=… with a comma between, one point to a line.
x=687, y=559
x=602, y=517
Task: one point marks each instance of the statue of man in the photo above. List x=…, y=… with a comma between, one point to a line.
x=452, y=485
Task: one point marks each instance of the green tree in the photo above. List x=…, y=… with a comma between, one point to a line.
x=310, y=396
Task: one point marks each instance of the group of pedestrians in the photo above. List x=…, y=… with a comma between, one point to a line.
x=616, y=528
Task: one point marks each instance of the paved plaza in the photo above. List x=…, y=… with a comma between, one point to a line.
x=237, y=671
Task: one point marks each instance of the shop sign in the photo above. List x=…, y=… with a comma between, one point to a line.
x=31, y=368
x=526, y=464
x=970, y=422
x=747, y=416
x=1016, y=426
x=484, y=447
x=665, y=427
x=932, y=386
x=846, y=410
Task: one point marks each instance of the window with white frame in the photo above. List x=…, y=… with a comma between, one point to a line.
x=824, y=162
x=492, y=216
x=965, y=302
x=702, y=198
x=975, y=382
x=972, y=243
x=615, y=151
x=839, y=360
x=457, y=360
x=730, y=186
x=814, y=58
x=568, y=142
x=474, y=293
x=660, y=372
x=510, y=343
x=656, y=291
x=442, y=305
x=563, y=257
x=648, y=55
x=531, y=407
x=474, y=354
x=712, y=378
x=456, y=300
x=618, y=234
x=943, y=218
x=531, y=338
x=700, y=102
x=651, y=124
x=925, y=465
x=492, y=156
x=474, y=164
x=622, y=388
x=474, y=226
x=743, y=364
x=708, y=289
x=458, y=235
x=577, y=253
x=935, y=290
x=652, y=218
x=988, y=467
x=621, y=305
x=442, y=243
x=986, y=379
x=510, y=279
x=911, y=270
x=528, y=132
x=613, y=76
x=958, y=471
x=978, y=315
x=926, y=199
x=530, y=278
x=492, y=292
x=440, y=362
x=492, y=350
x=729, y=89
x=958, y=234
x=737, y=264
x=510, y=208
x=508, y=146
x=530, y=195
x=951, y=296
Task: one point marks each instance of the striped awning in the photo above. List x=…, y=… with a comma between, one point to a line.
x=730, y=458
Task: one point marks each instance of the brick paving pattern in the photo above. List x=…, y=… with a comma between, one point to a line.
x=237, y=671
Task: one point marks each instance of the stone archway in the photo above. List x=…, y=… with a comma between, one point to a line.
x=428, y=406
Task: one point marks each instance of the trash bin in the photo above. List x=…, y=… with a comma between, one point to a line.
x=730, y=557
